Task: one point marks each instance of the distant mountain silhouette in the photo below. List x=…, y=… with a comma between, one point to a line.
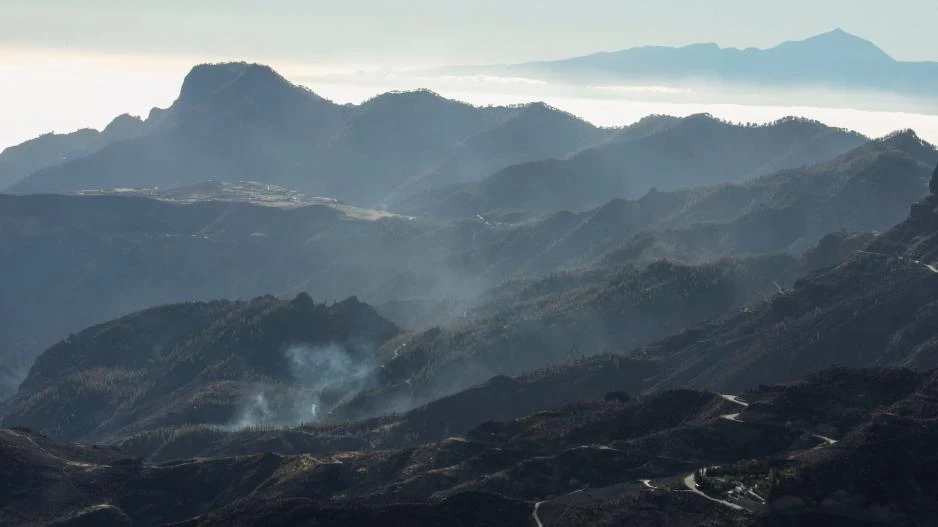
x=835, y=59
x=691, y=152
x=241, y=121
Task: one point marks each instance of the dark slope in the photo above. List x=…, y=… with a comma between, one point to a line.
x=529, y=325
x=20, y=161
x=263, y=361
x=499, y=398
x=239, y=121
x=871, y=310
x=696, y=151
x=874, y=309
x=524, y=325
x=580, y=464
x=606, y=311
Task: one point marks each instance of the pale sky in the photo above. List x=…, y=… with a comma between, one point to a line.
x=66, y=64
x=452, y=30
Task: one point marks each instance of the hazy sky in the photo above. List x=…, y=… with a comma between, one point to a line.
x=71, y=63
x=441, y=30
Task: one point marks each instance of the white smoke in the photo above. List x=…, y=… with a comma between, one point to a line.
x=312, y=369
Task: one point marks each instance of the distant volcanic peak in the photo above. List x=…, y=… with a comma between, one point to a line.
x=840, y=43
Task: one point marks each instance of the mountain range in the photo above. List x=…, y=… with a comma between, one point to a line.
x=260, y=307
x=692, y=152
x=845, y=66
x=241, y=121
x=236, y=122
x=530, y=325
x=134, y=249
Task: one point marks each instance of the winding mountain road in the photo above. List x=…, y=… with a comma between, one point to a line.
x=754, y=504
x=732, y=417
x=537, y=507
x=648, y=485
x=734, y=399
x=690, y=481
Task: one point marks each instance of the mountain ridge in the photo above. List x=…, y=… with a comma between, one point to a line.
x=241, y=121
x=217, y=362
x=690, y=152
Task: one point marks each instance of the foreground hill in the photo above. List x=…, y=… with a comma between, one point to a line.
x=792, y=454
x=241, y=121
x=261, y=362
x=695, y=151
